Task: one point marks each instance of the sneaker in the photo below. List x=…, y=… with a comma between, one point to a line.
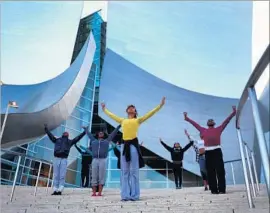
x=124, y=200
x=59, y=193
x=55, y=193
x=222, y=192
x=206, y=188
x=94, y=195
x=99, y=194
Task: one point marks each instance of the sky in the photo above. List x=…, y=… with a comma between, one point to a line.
x=37, y=38
x=201, y=46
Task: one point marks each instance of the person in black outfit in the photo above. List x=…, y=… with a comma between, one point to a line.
x=86, y=162
x=177, y=154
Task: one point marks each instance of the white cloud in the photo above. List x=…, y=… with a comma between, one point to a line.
x=93, y=6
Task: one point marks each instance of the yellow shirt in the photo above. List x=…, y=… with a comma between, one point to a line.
x=130, y=126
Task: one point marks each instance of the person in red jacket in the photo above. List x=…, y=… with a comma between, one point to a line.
x=213, y=153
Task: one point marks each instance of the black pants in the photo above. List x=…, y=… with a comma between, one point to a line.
x=177, y=171
x=85, y=175
x=215, y=170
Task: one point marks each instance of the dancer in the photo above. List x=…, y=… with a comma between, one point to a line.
x=198, y=146
x=61, y=151
x=177, y=155
x=131, y=158
x=213, y=153
x=85, y=170
x=99, y=148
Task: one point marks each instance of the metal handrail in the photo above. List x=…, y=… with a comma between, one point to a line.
x=253, y=79
x=41, y=161
x=249, y=92
x=24, y=155
x=231, y=161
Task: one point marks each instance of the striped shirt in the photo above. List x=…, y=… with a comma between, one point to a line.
x=197, y=145
x=197, y=152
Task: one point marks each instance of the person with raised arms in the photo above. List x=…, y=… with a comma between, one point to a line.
x=198, y=146
x=177, y=155
x=99, y=148
x=213, y=153
x=131, y=158
x=62, y=146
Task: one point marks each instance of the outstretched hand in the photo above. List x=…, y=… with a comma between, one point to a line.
x=185, y=115
x=163, y=101
x=46, y=125
x=85, y=127
x=142, y=143
x=186, y=132
x=234, y=108
x=160, y=139
x=103, y=106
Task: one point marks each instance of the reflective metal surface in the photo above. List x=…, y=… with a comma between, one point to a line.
x=123, y=83
x=50, y=102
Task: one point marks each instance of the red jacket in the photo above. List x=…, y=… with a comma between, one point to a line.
x=211, y=136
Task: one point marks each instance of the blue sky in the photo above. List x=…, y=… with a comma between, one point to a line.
x=201, y=46
x=37, y=39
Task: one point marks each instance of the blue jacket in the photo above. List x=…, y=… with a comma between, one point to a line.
x=62, y=145
x=100, y=148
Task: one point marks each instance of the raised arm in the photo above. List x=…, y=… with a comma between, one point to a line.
x=79, y=137
x=197, y=126
x=79, y=150
x=152, y=112
x=228, y=119
x=190, y=138
x=112, y=135
x=170, y=149
x=111, y=115
x=188, y=146
x=50, y=135
x=89, y=134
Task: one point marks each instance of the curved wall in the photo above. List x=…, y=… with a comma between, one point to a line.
x=50, y=102
x=124, y=83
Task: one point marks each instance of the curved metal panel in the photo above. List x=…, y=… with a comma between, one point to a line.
x=124, y=83
x=49, y=102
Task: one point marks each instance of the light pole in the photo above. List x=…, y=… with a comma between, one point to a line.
x=12, y=104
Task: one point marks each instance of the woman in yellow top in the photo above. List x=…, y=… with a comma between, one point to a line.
x=131, y=158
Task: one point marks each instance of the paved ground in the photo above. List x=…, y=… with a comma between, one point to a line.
x=187, y=200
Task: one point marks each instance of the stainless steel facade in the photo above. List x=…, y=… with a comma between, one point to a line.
x=123, y=83
x=50, y=102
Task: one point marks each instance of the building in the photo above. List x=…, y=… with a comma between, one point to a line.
x=109, y=79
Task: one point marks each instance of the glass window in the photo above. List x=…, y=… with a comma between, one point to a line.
x=82, y=113
x=88, y=93
x=85, y=103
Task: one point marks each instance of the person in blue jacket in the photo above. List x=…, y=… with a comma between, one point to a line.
x=99, y=147
x=62, y=147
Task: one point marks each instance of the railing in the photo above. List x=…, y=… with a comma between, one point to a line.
x=23, y=170
x=37, y=178
x=246, y=153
